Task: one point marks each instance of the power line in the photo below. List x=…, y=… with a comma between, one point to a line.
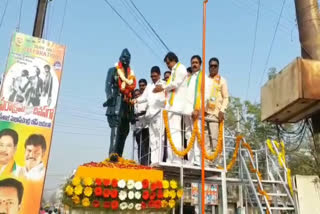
x=254, y=48
x=20, y=13
x=153, y=30
x=138, y=19
x=272, y=42
x=4, y=12
x=63, y=17
x=131, y=28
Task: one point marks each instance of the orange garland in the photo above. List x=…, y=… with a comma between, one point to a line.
x=219, y=148
x=192, y=139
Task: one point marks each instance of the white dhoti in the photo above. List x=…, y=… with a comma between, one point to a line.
x=194, y=156
x=174, y=121
x=156, y=131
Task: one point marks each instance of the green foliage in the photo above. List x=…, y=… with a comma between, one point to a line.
x=251, y=126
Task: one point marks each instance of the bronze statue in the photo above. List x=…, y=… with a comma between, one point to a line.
x=119, y=86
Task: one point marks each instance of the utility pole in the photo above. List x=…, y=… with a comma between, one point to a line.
x=40, y=18
x=308, y=18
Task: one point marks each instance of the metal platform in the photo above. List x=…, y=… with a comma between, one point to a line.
x=190, y=173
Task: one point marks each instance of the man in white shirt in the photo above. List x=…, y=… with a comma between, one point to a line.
x=155, y=102
x=175, y=89
x=141, y=128
x=35, y=149
x=192, y=106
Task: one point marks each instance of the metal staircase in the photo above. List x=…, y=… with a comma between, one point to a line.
x=276, y=184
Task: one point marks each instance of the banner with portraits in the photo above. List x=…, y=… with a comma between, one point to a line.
x=29, y=94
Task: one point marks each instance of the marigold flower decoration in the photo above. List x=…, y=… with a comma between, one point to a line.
x=78, y=190
x=69, y=190
x=166, y=193
x=173, y=194
x=76, y=181
x=85, y=202
x=164, y=204
x=75, y=199
x=165, y=184
x=173, y=184
x=172, y=203
x=180, y=193
x=88, y=191
x=87, y=181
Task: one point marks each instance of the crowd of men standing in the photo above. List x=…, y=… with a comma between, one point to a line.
x=179, y=93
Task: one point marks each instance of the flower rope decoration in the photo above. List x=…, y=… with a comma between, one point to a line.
x=281, y=160
x=126, y=85
x=190, y=143
x=219, y=147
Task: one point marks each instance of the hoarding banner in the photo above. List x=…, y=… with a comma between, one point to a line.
x=29, y=95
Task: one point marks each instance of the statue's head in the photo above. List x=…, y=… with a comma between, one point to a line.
x=125, y=57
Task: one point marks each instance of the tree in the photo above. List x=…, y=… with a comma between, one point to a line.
x=300, y=151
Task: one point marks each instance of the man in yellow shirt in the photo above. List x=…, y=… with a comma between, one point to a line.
x=217, y=98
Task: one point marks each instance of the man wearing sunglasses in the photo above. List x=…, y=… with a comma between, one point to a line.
x=217, y=98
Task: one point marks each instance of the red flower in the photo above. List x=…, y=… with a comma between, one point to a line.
x=145, y=184
x=98, y=182
x=106, y=193
x=153, y=195
x=107, y=204
x=106, y=182
x=151, y=204
x=114, y=205
x=143, y=205
x=145, y=195
x=159, y=185
x=157, y=204
x=160, y=194
x=96, y=203
x=114, y=193
x=98, y=191
x=114, y=183
x=154, y=186
x=120, y=64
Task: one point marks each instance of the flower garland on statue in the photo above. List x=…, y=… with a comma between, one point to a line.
x=192, y=139
x=126, y=84
x=281, y=160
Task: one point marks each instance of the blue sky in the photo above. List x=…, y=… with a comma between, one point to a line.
x=95, y=35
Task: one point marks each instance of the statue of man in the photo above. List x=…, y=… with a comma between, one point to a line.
x=119, y=85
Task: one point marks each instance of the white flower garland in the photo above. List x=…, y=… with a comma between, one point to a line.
x=130, y=184
x=121, y=184
x=123, y=77
x=137, y=195
x=122, y=195
x=130, y=206
x=131, y=195
x=138, y=206
x=123, y=206
x=138, y=185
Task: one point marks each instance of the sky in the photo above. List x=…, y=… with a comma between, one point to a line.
x=94, y=36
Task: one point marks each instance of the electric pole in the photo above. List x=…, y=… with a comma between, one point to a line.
x=308, y=19
x=40, y=18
